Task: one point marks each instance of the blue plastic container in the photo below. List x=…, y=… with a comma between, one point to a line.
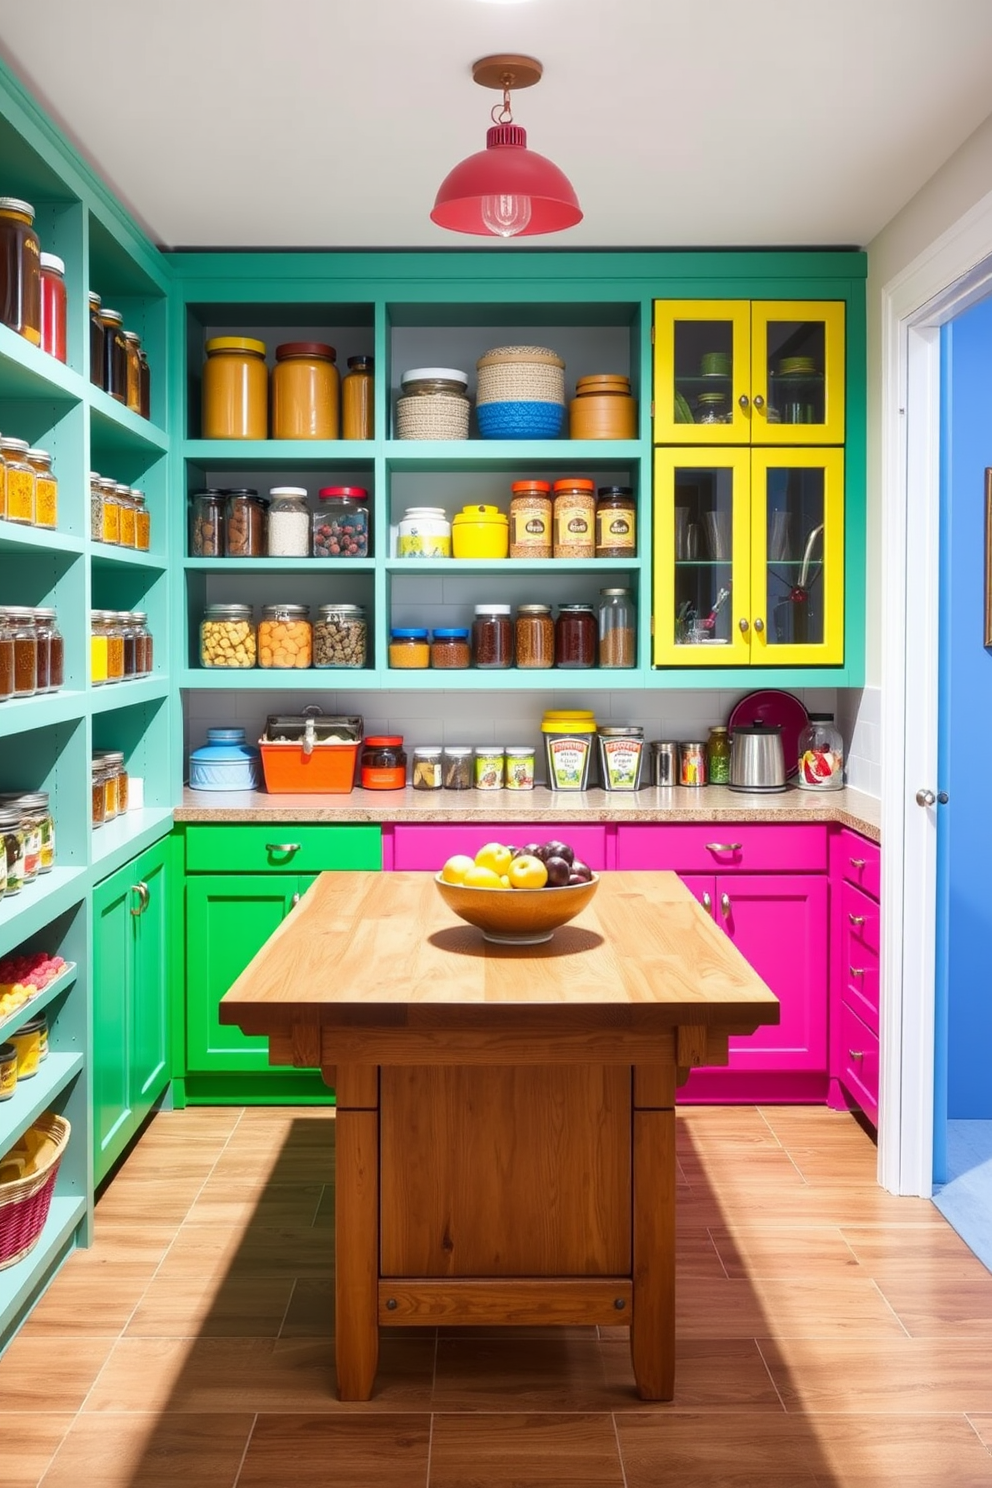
x=225, y=762
x=520, y=420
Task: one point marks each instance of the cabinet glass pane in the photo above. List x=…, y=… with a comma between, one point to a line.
x=795, y=590
x=703, y=542
x=796, y=351
x=704, y=367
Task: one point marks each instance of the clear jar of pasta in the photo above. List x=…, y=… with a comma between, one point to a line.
x=285, y=637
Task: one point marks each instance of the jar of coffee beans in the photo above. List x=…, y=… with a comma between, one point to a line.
x=340, y=636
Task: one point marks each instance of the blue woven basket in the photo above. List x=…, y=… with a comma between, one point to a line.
x=519, y=420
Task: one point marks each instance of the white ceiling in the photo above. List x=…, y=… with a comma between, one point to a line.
x=331, y=123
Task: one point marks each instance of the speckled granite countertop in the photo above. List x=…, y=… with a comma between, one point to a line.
x=714, y=803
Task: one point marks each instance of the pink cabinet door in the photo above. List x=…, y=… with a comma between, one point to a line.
x=426, y=847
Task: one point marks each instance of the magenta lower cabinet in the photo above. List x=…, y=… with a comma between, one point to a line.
x=427, y=847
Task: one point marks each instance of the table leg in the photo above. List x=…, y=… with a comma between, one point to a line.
x=652, y=1330
x=356, y=1252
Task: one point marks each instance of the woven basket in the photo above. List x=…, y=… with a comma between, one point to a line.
x=439, y=416
x=521, y=374
x=25, y=1202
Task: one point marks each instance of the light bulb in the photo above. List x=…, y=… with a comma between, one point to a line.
x=506, y=215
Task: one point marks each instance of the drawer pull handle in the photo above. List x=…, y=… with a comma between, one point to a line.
x=856, y=970
x=859, y=862
x=855, y=1054
x=707, y=902
x=294, y=901
x=141, y=889
x=283, y=847
x=856, y=919
x=725, y=906
x=723, y=847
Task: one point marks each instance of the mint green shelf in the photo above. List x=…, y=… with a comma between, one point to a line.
x=117, y=842
x=23, y=915
x=117, y=427
x=36, y=1005
x=329, y=567
x=26, y=372
x=20, y=714
x=276, y=679
x=452, y=567
x=16, y=537
x=108, y=696
x=19, y=1284
x=34, y=1096
x=104, y=555
x=276, y=454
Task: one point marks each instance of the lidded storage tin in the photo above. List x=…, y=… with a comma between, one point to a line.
x=225, y=763
x=621, y=756
x=569, y=739
x=602, y=408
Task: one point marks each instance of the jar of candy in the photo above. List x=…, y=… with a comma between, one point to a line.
x=341, y=523
x=285, y=637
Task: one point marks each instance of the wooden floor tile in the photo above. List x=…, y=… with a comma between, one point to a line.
x=731, y=1173
x=144, y=1450
x=310, y=1313
x=933, y=1306
x=121, y=1238
x=732, y=1450
x=714, y=1374
x=160, y=1201
x=932, y=1244
x=911, y=1451
x=267, y=1252
x=881, y=1375
x=38, y=1373
x=172, y=1307
x=982, y=1426
x=748, y=1308
x=359, y=1450
x=524, y=1451
x=493, y=1374
x=813, y=1253
x=30, y=1443
x=85, y=1302
x=276, y=1204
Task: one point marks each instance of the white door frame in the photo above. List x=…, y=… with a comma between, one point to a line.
x=954, y=273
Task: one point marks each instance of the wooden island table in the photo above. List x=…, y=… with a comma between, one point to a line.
x=505, y=1130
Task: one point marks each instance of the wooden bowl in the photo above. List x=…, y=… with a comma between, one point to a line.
x=517, y=916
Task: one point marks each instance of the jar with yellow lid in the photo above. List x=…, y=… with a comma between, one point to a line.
x=20, y=480
x=569, y=737
x=20, y=269
x=306, y=391
x=235, y=389
x=46, y=488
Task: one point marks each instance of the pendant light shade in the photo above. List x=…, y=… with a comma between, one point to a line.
x=506, y=190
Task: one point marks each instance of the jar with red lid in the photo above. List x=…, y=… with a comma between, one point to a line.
x=383, y=762
x=306, y=391
x=53, y=306
x=341, y=525
x=574, y=521
x=576, y=636
x=530, y=519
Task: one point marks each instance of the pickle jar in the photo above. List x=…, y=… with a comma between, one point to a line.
x=37, y=804
x=23, y=633
x=50, y=642
x=98, y=797
x=127, y=512
x=12, y=838
x=114, y=355
x=111, y=518
x=46, y=488
x=20, y=480
x=132, y=386
x=142, y=522
x=235, y=389
x=6, y=659
x=357, y=406
x=306, y=391
x=20, y=269
x=98, y=340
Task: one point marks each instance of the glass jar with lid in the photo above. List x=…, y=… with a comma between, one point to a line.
x=616, y=518
x=713, y=408
x=424, y=532
x=574, y=520
x=132, y=387
x=98, y=647
x=20, y=480
x=12, y=838
x=340, y=636
x=821, y=755
x=142, y=522
x=127, y=514
x=50, y=639
x=341, y=523
x=457, y=767
x=450, y=650
x=111, y=511
x=617, y=631
x=20, y=269
x=306, y=391
x=30, y=826
x=244, y=523
x=227, y=636
x=427, y=768
x=130, y=644
x=115, y=645
x=427, y=382
x=53, y=305
x=492, y=637
x=535, y=637
x=519, y=767
x=409, y=648
x=96, y=506
x=576, y=636
x=289, y=523
x=116, y=780
x=114, y=355
x=22, y=631
x=37, y=804
x=285, y=636
x=718, y=755
x=98, y=339
x=44, y=663
x=6, y=659
x=383, y=762
x=142, y=643
x=146, y=387
x=235, y=390
x=357, y=400
x=530, y=519
x=46, y=488
x=98, y=794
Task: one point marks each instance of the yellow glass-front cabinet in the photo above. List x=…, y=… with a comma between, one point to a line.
x=748, y=557
x=749, y=372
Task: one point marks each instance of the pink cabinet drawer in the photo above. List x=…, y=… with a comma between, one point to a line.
x=427, y=847
x=859, y=861
x=700, y=847
x=859, y=1061
x=859, y=960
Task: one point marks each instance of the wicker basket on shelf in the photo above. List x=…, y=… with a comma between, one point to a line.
x=440, y=416
x=521, y=393
x=25, y=1201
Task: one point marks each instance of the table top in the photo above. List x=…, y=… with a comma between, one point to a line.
x=379, y=948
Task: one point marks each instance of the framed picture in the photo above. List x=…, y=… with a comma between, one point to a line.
x=988, y=557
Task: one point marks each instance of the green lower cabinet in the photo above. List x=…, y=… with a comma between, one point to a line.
x=132, y=958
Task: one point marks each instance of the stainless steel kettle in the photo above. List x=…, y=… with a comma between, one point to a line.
x=757, y=759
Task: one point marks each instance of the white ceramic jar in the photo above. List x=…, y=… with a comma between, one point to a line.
x=424, y=532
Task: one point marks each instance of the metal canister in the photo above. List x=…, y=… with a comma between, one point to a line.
x=692, y=762
x=664, y=762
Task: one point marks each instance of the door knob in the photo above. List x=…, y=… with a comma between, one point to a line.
x=759, y=401
x=759, y=625
x=743, y=626
x=725, y=906
x=925, y=798
x=742, y=400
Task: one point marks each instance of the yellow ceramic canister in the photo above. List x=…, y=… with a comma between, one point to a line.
x=480, y=532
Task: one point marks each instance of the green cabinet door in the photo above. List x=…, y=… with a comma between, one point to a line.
x=131, y=966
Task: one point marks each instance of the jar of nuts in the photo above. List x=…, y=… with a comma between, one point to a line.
x=339, y=636
x=244, y=524
x=285, y=637
x=227, y=636
x=206, y=525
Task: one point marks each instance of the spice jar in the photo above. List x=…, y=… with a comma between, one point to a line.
x=21, y=627
x=96, y=506
x=206, y=524
x=37, y=804
x=132, y=344
x=574, y=520
x=718, y=755
x=357, y=401
x=114, y=355
x=616, y=517
x=111, y=511
x=450, y=650
x=20, y=269
x=6, y=660
x=52, y=647
x=245, y=518
x=530, y=519
x=488, y=767
x=115, y=646
x=98, y=797
x=98, y=647
x=146, y=387
x=130, y=645
x=46, y=488
x=383, y=763
x=98, y=340
x=576, y=636
x=340, y=636
x=235, y=393
x=53, y=306
x=227, y=636
x=617, y=633
x=306, y=391
x=519, y=767
x=427, y=770
x=13, y=844
x=285, y=637
x=44, y=662
x=127, y=511
x=408, y=648
x=492, y=637
x=142, y=642
x=341, y=524
x=115, y=781
x=535, y=637
x=142, y=522
x=457, y=767
x=289, y=523
x=20, y=480
x=424, y=532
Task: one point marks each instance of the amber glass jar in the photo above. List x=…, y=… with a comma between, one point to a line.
x=111, y=511
x=6, y=659
x=357, y=390
x=98, y=341
x=535, y=637
x=115, y=646
x=126, y=505
x=142, y=522
x=145, y=408
x=50, y=643
x=130, y=645
x=20, y=269
x=20, y=480
x=143, y=643
x=132, y=343
x=114, y=354
x=306, y=391
x=98, y=798
x=46, y=488
x=20, y=624
x=530, y=519
x=616, y=522
x=576, y=636
x=235, y=389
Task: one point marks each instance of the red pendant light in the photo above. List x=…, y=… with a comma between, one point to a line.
x=506, y=190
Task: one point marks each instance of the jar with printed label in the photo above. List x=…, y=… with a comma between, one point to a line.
x=616, y=519
x=12, y=838
x=37, y=803
x=424, y=532
x=30, y=826
x=519, y=774
x=489, y=767
x=574, y=522
x=427, y=770
x=530, y=519
x=383, y=762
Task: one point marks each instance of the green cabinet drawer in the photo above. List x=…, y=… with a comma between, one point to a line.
x=281, y=847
